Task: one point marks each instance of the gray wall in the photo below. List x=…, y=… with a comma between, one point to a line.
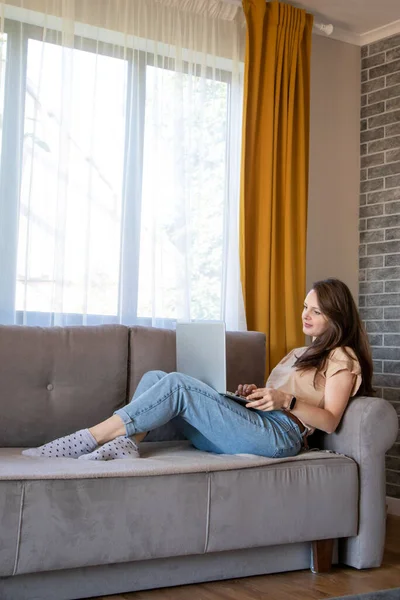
x=380, y=223
x=332, y=234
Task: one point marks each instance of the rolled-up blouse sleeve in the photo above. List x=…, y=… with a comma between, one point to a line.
x=340, y=361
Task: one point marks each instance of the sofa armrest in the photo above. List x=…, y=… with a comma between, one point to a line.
x=368, y=429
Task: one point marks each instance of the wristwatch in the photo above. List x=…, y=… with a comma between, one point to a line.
x=292, y=403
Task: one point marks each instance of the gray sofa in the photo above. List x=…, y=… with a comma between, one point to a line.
x=74, y=529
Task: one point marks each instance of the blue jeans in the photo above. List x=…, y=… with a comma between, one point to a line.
x=212, y=422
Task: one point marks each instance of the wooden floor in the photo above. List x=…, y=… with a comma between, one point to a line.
x=298, y=585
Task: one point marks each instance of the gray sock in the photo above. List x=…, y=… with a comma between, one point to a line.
x=71, y=446
x=121, y=447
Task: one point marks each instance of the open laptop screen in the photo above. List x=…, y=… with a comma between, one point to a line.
x=200, y=352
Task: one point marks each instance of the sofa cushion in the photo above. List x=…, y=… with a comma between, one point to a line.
x=155, y=349
x=173, y=501
x=59, y=379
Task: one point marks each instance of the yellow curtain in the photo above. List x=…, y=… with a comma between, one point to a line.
x=273, y=220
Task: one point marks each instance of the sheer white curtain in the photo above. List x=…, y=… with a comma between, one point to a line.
x=120, y=161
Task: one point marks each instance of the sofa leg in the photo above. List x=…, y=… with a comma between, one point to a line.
x=321, y=556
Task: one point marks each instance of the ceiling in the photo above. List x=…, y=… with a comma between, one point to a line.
x=356, y=21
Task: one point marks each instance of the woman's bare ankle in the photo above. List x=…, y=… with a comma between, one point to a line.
x=138, y=437
x=108, y=430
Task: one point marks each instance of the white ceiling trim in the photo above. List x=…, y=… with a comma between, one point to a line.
x=381, y=32
x=361, y=39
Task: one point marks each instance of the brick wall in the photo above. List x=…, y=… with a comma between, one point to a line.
x=379, y=298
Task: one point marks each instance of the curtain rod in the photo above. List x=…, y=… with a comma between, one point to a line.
x=326, y=28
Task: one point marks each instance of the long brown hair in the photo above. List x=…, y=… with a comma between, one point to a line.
x=345, y=329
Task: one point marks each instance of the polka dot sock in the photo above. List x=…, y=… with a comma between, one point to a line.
x=70, y=446
x=121, y=447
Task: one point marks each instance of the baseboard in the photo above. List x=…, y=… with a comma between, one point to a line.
x=393, y=506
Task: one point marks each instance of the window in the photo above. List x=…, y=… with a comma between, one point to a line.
x=102, y=198
x=92, y=134
x=204, y=103
x=3, y=52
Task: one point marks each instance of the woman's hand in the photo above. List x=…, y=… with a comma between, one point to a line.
x=245, y=389
x=268, y=399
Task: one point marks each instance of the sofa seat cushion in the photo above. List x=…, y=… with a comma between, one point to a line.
x=157, y=458
x=175, y=500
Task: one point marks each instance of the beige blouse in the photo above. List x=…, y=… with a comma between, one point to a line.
x=301, y=383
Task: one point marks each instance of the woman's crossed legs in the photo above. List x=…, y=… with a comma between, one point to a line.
x=209, y=420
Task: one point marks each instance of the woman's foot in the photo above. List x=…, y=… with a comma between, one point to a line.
x=121, y=447
x=71, y=446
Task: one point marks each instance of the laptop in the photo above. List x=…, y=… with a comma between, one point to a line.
x=201, y=353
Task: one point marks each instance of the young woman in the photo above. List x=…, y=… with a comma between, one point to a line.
x=309, y=389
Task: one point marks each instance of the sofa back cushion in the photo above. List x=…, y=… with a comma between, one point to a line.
x=154, y=349
x=56, y=380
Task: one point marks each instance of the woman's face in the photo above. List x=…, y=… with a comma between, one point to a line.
x=314, y=321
